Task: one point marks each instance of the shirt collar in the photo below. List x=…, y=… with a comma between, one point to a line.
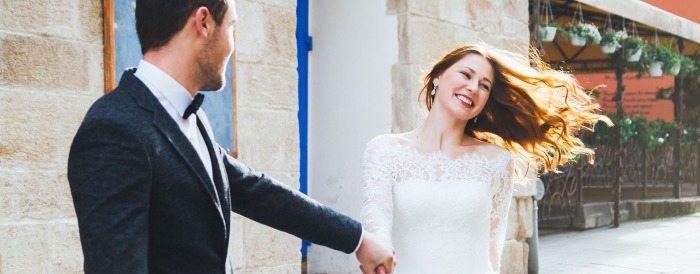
x=159, y=81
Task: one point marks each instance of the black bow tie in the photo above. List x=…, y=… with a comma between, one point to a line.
x=194, y=106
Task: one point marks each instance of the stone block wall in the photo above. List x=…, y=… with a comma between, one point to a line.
x=268, y=128
x=50, y=73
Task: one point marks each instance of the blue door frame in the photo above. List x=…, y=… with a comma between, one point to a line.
x=304, y=45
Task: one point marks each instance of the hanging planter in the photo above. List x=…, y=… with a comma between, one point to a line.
x=658, y=60
x=675, y=68
x=671, y=61
x=689, y=66
x=582, y=33
x=656, y=69
x=547, y=33
x=611, y=40
x=634, y=46
x=548, y=28
x=608, y=48
x=634, y=57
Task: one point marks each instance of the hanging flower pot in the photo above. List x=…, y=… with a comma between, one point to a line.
x=608, y=48
x=634, y=57
x=547, y=33
x=577, y=40
x=634, y=45
x=582, y=34
x=611, y=40
x=675, y=69
x=548, y=28
x=655, y=70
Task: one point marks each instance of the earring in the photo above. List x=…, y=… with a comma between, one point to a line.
x=432, y=92
x=475, y=119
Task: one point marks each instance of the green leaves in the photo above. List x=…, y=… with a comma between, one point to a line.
x=650, y=133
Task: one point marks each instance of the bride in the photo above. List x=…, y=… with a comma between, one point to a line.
x=440, y=193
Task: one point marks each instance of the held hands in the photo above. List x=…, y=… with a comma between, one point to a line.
x=376, y=256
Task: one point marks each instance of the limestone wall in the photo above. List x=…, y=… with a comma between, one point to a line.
x=50, y=73
x=268, y=128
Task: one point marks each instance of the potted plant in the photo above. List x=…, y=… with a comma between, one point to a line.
x=657, y=60
x=688, y=66
x=671, y=61
x=548, y=30
x=582, y=34
x=634, y=47
x=611, y=40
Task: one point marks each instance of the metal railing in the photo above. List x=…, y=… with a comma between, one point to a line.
x=646, y=173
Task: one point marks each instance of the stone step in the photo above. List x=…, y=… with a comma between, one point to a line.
x=592, y=215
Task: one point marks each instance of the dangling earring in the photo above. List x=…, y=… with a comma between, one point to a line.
x=432, y=92
x=475, y=119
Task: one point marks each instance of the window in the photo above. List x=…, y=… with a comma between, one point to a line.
x=122, y=50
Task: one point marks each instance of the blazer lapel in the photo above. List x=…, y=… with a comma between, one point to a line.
x=165, y=124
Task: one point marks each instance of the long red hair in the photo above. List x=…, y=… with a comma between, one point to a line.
x=533, y=110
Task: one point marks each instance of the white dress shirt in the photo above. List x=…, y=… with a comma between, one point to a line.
x=175, y=99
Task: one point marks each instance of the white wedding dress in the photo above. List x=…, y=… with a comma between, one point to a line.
x=442, y=215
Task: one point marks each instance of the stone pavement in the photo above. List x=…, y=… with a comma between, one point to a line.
x=669, y=245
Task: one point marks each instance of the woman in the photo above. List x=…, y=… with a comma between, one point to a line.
x=441, y=192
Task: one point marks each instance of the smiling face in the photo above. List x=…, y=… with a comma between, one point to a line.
x=463, y=89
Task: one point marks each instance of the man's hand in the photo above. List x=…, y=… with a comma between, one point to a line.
x=376, y=256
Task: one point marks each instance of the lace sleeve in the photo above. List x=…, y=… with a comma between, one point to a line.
x=501, y=191
x=377, y=209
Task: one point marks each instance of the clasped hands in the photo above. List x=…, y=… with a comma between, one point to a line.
x=376, y=256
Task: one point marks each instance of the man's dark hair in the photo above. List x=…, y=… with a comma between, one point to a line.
x=157, y=21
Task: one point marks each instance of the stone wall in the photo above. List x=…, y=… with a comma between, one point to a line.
x=268, y=128
x=50, y=73
x=430, y=29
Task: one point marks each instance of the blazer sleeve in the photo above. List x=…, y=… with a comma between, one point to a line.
x=109, y=175
x=272, y=203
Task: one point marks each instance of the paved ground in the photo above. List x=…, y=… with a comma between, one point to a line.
x=670, y=245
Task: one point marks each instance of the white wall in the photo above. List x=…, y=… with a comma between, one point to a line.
x=355, y=47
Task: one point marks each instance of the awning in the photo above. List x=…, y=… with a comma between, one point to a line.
x=651, y=22
x=649, y=15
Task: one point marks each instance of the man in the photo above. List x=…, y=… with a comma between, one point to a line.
x=153, y=191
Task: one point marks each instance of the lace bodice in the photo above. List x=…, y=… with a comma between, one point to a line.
x=438, y=211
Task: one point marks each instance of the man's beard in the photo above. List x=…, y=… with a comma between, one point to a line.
x=210, y=75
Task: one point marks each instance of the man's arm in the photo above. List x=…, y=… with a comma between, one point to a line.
x=109, y=173
x=274, y=204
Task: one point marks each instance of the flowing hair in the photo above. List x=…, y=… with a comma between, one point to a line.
x=533, y=110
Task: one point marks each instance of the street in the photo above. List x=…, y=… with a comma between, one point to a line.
x=670, y=245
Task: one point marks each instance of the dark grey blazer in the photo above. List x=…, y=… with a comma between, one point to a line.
x=145, y=203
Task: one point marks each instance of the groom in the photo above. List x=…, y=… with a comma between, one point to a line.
x=152, y=189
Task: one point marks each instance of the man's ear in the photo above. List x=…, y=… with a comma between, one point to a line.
x=203, y=21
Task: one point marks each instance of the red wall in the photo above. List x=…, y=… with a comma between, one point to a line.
x=639, y=96
x=689, y=9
